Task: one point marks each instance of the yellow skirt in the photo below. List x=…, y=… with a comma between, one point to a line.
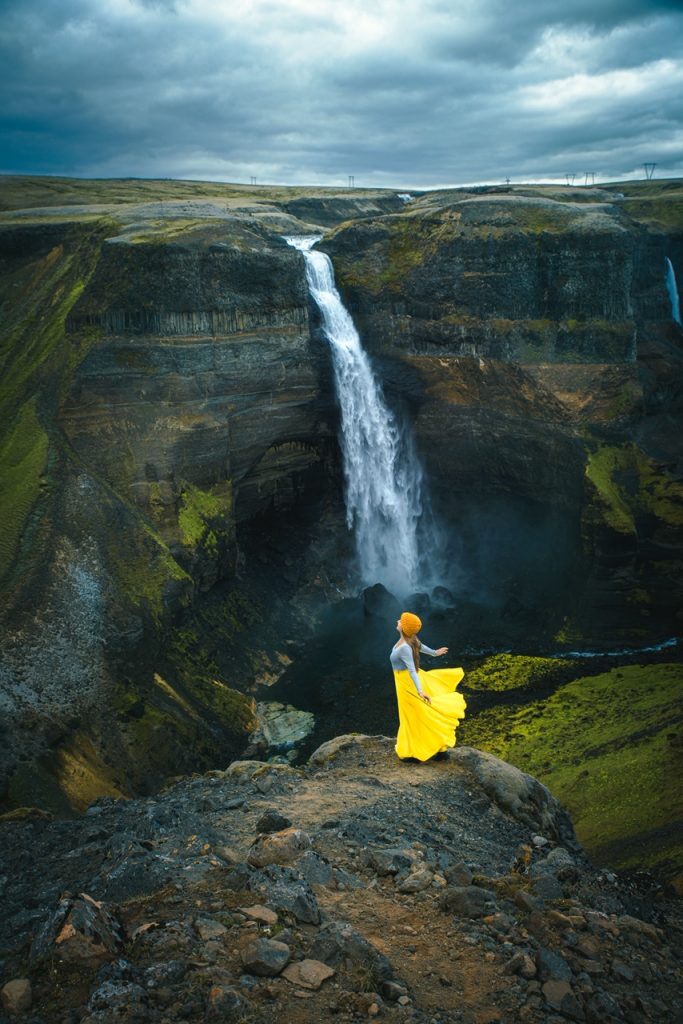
x=427, y=729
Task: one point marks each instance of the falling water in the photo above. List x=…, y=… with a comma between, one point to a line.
x=384, y=502
x=673, y=291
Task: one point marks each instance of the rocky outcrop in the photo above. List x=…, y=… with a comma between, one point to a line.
x=420, y=889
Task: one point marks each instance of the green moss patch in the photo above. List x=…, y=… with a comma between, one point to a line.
x=512, y=671
x=609, y=747
x=204, y=515
x=23, y=459
x=629, y=484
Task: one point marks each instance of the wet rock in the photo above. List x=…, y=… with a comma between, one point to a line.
x=378, y=602
x=16, y=996
x=265, y=957
x=279, y=847
x=79, y=929
x=338, y=942
x=308, y=973
x=272, y=821
x=393, y=990
x=466, y=901
x=526, y=902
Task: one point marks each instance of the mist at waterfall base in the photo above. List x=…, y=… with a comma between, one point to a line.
x=672, y=289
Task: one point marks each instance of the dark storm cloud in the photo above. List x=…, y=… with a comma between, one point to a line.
x=396, y=92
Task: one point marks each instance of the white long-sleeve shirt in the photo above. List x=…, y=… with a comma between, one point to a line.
x=402, y=660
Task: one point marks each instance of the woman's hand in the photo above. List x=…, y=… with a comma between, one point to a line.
x=426, y=698
x=442, y=650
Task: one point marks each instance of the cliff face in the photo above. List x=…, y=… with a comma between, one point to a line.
x=169, y=440
x=161, y=392
x=534, y=340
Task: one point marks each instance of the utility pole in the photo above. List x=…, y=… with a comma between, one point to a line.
x=352, y=181
x=649, y=170
x=571, y=178
x=507, y=181
x=591, y=175
x=252, y=180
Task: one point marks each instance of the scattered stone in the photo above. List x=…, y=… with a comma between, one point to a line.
x=547, y=887
x=417, y=881
x=314, y=869
x=521, y=964
x=393, y=990
x=338, y=941
x=526, y=902
x=539, y=841
x=115, y=995
x=208, y=929
x=286, y=890
x=279, y=847
x=554, y=991
x=466, y=901
x=272, y=821
x=389, y=860
x=225, y=1004
x=308, y=973
x=17, y=996
x=458, y=874
x=621, y=971
x=261, y=914
x=265, y=957
x=552, y=966
x=635, y=926
x=79, y=929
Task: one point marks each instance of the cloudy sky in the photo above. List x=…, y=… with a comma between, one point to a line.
x=399, y=93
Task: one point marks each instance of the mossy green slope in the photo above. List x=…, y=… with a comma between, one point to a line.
x=610, y=747
x=36, y=359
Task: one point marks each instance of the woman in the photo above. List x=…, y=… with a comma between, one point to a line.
x=429, y=708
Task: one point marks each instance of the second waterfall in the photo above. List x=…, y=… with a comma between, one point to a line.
x=385, y=506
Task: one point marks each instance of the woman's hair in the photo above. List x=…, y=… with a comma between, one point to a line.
x=415, y=648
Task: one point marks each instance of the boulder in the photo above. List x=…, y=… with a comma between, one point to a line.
x=272, y=821
x=279, y=847
x=466, y=901
x=265, y=957
x=338, y=942
x=79, y=929
x=308, y=973
x=518, y=794
x=16, y=996
x=389, y=860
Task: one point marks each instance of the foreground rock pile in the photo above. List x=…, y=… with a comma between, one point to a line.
x=354, y=888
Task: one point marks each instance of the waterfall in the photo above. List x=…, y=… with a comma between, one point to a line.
x=672, y=290
x=383, y=477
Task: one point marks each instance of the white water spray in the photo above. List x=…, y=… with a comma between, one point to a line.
x=384, y=502
x=672, y=290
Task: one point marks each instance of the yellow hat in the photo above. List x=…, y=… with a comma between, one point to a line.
x=410, y=624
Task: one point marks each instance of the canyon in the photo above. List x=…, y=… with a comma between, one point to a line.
x=174, y=532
